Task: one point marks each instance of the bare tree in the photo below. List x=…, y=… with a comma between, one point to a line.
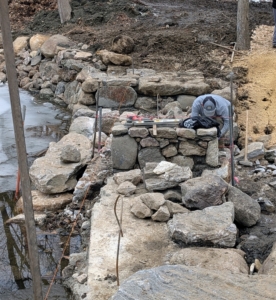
x=243, y=38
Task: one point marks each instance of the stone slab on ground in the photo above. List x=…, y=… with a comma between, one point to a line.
x=194, y=283
x=144, y=244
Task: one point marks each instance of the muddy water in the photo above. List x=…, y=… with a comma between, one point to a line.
x=42, y=125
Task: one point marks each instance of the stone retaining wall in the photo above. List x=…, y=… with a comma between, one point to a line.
x=182, y=146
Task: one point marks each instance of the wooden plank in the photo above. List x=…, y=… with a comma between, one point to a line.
x=21, y=149
x=64, y=9
x=154, y=127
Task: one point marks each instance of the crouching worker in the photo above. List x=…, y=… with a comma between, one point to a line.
x=216, y=107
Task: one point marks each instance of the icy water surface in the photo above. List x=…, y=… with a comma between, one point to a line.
x=41, y=127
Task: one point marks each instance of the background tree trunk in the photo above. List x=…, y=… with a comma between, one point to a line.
x=243, y=38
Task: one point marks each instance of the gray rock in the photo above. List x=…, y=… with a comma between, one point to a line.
x=49, y=47
x=169, y=151
x=84, y=112
x=85, y=98
x=207, y=132
x=141, y=210
x=149, y=142
x=186, y=133
x=145, y=103
x=124, y=152
x=212, y=153
x=108, y=120
x=174, y=195
x=153, y=200
x=134, y=176
x=201, y=192
x=60, y=88
x=189, y=148
x=270, y=155
x=120, y=129
x=230, y=260
x=116, y=96
x=83, y=125
x=140, y=132
x=169, y=86
x=269, y=265
x=169, y=179
x=162, y=214
x=247, y=210
x=36, y=60
x=186, y=283
x=175, y=208
x=182, y=161
x=50, y=175
x=46, y=94
x=90, y=85
x=126, y=188
x=255, y=151
x=164, y=132
x=70, y=154
x=149, y=154
x=70, y=93
x=210, y=226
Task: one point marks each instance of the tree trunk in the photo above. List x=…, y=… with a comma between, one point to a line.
x=243, y=38
x=64, y=9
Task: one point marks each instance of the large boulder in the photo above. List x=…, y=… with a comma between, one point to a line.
x=53, y=44
x=212, y=226
x=182, y=282
x=116, y=96
x=172, y=84
x=247, y=210
x=201, y=192
x=50, y=175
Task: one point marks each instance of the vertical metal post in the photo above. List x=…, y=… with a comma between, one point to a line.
x=21, y=149
x=230, y=112
x=100, y=128
x=96, y=120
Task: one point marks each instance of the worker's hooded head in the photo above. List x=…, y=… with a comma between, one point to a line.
x=209, y=106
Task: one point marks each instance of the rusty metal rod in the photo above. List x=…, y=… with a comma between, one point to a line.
x=100, y=128
x=119, y=236
x=21, y=149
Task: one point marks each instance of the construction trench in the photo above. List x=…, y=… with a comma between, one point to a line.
x=152, y=242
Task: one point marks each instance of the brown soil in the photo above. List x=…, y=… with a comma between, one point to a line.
x=261, y=88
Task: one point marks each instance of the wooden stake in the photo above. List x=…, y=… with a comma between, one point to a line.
x=21, y=149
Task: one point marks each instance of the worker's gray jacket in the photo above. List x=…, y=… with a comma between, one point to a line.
x=221, y=110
